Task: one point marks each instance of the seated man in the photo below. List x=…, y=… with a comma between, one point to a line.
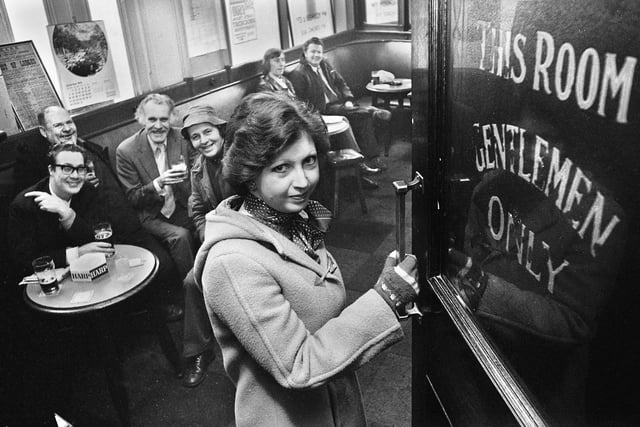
x=316, y=82
x=57, y=127
x=55, y=216
x=158, y=191
x=273, y=80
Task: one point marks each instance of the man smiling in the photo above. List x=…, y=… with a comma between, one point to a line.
x=55, y=216
x=158, y=191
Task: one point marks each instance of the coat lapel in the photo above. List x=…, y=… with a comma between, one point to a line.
x=146, y=156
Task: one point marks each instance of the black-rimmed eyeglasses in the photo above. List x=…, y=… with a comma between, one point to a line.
x=68, y=169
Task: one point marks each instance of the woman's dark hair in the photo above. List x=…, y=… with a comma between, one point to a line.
x=274, y=52
x=261, y=126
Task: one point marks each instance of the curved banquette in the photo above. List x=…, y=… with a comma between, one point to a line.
x=110, y=125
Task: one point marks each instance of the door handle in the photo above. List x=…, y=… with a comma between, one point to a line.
x=402, y=188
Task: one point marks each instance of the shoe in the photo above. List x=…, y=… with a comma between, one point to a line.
x=383, y=115
x=366, y=170
x=171, y=312
x=196, y=370
x=368, y=183
x=378, y=163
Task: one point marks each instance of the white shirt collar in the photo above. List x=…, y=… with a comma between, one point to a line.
x=67, y=202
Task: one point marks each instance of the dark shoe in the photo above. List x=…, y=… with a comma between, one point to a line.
x=383, y=115
x=368, y=183
x=366, y=170
x=171, y=312
x=196, y=369
x=377, y=162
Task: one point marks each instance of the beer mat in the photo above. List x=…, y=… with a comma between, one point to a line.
x=83, y=296
x=61, y=273
x=135, y=262
x=332, y=119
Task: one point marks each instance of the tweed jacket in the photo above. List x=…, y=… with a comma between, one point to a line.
x=290, y=344
x=205, y=195
x=308, y=84
x=136, y=166
x=268, y=84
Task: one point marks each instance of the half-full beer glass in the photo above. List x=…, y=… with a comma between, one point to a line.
x=45, y=270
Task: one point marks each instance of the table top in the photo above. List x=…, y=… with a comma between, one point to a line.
x=335, y=124
x=111, y=288
x=404, y=86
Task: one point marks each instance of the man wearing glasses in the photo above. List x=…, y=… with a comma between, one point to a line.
x=32, y=164
x=55, y=216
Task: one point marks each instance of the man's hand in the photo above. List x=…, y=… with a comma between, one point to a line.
x=50, y=203
x=468, y=278
x=102, y=247
x=171, y=177
x=92, y=179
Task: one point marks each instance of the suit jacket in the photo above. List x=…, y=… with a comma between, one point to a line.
x=136, y=166
x=308, y=84
x=33, y=232
x=31, y=167
x=268, y=84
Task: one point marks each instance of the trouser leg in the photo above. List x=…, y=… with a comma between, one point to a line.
x=178, y=240
x=198, y=335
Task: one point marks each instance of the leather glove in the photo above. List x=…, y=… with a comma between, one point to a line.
x=468, y=278
x=397, y=283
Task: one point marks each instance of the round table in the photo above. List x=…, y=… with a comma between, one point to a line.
x=388, y=92
x=90, y=298
x=106, y=290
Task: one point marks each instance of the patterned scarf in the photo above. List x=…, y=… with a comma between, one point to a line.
x=307, y=233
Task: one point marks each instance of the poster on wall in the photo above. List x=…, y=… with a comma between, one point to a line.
x=201, y=37
x=84, y=63
x=27, y=82
x=382, y=12
x=8, y=122
x=243, y=21
x=311, y=18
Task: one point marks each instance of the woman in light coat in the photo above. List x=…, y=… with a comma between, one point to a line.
x=274, y=293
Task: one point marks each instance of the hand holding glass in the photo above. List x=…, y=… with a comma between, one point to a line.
x=45, y=270
x=102, y=232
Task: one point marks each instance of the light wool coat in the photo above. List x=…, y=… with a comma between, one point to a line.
x=289, y=342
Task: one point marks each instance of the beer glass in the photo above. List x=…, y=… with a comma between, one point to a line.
x=45, y=270
x=180, y=165
x=102, y=232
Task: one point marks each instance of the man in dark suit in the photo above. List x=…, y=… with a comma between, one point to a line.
x=55, y=216
x=158, y=190
x=316, y=82
x=57, y=127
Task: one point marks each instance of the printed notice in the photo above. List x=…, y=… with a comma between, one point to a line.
x=312, y=18
x=27, y=82
x=243, y=21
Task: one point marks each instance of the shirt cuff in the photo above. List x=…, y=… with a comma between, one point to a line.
x=72, y=254
x=159, y=189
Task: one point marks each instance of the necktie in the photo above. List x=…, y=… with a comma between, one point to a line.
x=169, y=205
x=329, y=94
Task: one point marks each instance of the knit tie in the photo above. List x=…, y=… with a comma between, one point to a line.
x=169, y=206
x=307, y=233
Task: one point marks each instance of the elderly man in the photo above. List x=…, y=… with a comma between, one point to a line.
x=57, y=127
x=155, y=188
x=316, y=82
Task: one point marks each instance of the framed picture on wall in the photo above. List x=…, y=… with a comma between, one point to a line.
x=27, y=82
x=311, y=18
